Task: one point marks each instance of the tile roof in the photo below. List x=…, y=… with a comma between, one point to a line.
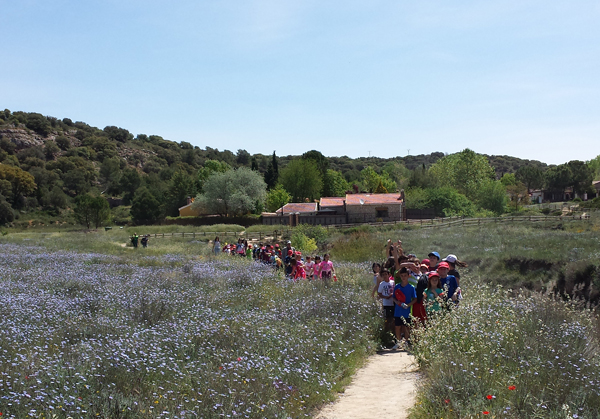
x=373, y=199
x=335, y=201
x=298, y=207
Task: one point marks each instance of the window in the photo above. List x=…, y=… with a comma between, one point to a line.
x=382, y=213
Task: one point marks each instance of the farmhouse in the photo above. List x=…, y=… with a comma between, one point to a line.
x=353, y=208
x=188, y=211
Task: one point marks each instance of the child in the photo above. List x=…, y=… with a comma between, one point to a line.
x=385, y=292
x=434, y=258
x=376, y=278
x=217, y=246
x=327, y=270
x=405, y=297
x=434, y=293
x=288, y=263
x=418, y=309
x=448, y=282
x=299, y=272
x=309, y=266
x=453, y=262
x=317, y=268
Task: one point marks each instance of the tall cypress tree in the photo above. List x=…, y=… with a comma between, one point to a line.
x=272, y=173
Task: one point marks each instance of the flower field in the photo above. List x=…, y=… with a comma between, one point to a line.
x=506, y=356
x=87, y=335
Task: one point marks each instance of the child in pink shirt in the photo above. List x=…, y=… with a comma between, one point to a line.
x=327, y=270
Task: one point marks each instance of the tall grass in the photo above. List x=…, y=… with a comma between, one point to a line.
x=505, y=356
x=173, y=336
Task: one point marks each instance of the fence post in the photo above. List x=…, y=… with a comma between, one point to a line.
x=259, y=235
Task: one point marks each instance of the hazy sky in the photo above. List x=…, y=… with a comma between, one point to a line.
x=514, y=77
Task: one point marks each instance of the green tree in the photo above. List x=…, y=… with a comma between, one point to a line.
x=110, y=174
x=180, y=187
x=508, y=179
x=22, y=183
x=558, y=178
x=235, y=192
x=380, y=188
x=7, y=214
x=448, y=201
x=582, y=176
x=518, y=195
x=302, y=179
x=369, y=179
x=277, y=198
x=100, y=211
x=334, y=184
x=465, y=171
x=129, y=182
x=242, y=157
x=145, y=208
x=272, y=173
x=210, y=167
x=594, y=164
x=531, y=176
x=83, y=209
x=421, y=178
x=491, y=196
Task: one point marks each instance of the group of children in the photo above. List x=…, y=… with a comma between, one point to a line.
x=293, y=263
x=410, y=289
x=135, y=239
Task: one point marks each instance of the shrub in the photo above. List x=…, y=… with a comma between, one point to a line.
x=497, y=353
x=303, y=242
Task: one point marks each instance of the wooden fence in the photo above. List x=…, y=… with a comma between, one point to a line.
x=430, y=223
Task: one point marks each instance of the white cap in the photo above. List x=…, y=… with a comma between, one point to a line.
x=450, y=258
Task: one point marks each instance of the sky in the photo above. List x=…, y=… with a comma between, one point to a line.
x=355, y=78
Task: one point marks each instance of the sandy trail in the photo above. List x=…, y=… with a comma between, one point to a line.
x=384, y=387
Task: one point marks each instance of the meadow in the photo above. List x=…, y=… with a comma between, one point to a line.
x=90, y=327
x=86, y=334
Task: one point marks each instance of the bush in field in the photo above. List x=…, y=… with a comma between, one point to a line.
x=316, y=232
x=303, y=242
x=509, y=356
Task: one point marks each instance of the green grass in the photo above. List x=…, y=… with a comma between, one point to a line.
x=523, y=356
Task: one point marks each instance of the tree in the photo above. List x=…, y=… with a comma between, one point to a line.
x=129, y=182
x=594, y=164
x=531, y=176
x=558, y=178
x=277, y=198
x=100, y=211
x=380, y=188
x=334, y=184
x=21, y=182
x=302, y=179
x=83, y=209
x=180, y=187
x=582, y=176
x=242, y=157
x=145, y=208
x=369, y=179
x=449, y=202
x=321, y=161
x=518, y=194
x=235, y=192
x=491, y=196
x=6, y=212
x=272, y=173
x=210, y=167
x=465, y=171
x=110, y=174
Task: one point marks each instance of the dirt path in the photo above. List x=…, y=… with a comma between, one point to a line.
x=376, y=389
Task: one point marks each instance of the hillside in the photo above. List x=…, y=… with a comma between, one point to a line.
x=65, y=159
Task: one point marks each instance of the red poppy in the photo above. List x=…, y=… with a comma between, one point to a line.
x=489, y=397
x=512, y=387
x=220, y=368
x=447, y=401
x=485, y=412
x=239, y=359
